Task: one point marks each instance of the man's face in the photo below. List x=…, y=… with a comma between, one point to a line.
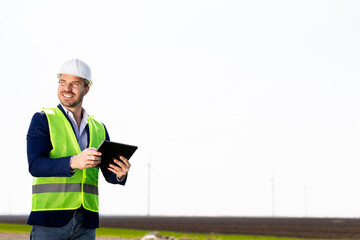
x=71, y=90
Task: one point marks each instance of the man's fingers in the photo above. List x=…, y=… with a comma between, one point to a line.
x=88, y=158
x=92, y=151
x=115, y=167
x=117, y=170
x=92, y=154
x=125, y=161
x=93, y=158
x=122, y=164
x=93, y=163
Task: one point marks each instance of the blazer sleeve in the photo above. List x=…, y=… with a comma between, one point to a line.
x=38, y=149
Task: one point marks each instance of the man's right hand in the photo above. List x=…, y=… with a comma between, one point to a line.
x=86, y=159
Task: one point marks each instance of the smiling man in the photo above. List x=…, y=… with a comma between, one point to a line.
x=71, y=90
x=62, y=157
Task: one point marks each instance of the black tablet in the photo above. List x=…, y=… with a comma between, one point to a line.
x=110, y=150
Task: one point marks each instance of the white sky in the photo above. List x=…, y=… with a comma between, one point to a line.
x=220, y=96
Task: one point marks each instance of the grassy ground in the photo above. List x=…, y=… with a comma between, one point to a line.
x=15, y=228
x=127, y=233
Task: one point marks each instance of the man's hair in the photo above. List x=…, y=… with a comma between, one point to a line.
x=86, y=82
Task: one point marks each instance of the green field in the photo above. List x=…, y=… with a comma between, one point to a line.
x=128, y=233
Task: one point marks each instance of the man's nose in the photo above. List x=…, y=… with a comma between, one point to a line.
x=67, y=87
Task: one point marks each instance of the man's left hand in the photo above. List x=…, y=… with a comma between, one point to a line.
x=121, y=168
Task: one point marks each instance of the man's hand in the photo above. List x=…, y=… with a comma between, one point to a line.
x=121, y=168
x=86, y=159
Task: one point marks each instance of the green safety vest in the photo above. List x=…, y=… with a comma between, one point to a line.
x=67, y=193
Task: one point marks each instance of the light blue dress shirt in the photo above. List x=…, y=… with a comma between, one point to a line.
x=80, y=133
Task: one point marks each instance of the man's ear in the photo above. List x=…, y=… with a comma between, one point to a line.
x=86, y=90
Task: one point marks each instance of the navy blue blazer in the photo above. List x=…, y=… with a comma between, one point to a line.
x=40, y=165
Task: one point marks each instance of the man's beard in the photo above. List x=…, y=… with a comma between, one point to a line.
x=75, y=103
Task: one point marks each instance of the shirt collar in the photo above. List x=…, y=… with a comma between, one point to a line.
x=84, y=118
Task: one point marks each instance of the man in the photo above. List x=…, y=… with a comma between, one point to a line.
x=62, y=156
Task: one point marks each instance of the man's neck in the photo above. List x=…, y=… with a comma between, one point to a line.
x=77, y=113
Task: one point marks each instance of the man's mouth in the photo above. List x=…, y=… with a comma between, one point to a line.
x=67, y=95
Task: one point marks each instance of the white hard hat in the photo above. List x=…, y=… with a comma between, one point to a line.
x=78, y=68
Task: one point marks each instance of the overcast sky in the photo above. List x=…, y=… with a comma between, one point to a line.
x=242, y=108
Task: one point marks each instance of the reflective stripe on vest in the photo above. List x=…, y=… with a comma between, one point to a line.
x=81, y=189
x=61, y=187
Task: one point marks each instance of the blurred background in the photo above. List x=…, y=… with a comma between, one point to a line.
x=239, y=108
